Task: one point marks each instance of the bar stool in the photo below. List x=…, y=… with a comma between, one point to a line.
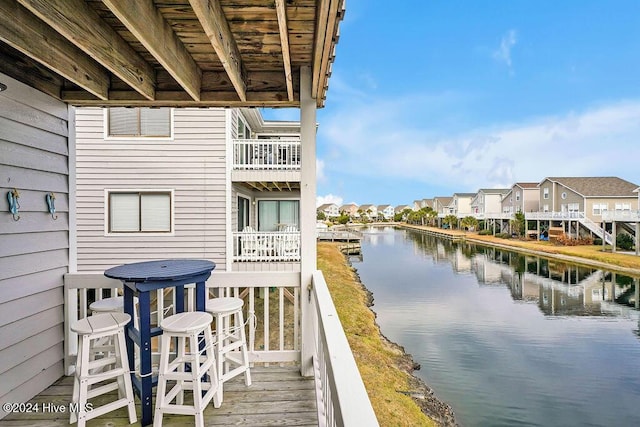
x=91, y=370
x=187, y=326
x=112, y=305
x=230, y=338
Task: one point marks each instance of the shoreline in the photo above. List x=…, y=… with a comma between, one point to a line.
x=420, y=392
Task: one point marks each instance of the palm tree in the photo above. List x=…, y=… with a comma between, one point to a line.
x=451, y=221
x=468, y=222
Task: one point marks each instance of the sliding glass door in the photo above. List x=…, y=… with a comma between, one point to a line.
x=273, y=215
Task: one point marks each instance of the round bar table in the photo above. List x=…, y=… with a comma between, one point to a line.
x=142, y=278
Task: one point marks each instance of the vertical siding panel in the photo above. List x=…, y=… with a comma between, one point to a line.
x=34, y=160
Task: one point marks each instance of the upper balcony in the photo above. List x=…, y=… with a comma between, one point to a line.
x=267, y=164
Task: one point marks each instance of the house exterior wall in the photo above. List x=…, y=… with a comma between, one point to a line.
x=34, y=251
x=492, y=203
x=611, y=203
x=193, y=164
x=530, y=201
x=462, y=205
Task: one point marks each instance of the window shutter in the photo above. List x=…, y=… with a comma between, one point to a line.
x=124, y=212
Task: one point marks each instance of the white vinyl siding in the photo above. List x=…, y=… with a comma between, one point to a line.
x=192, y=164
x=139, y=122
x=34, y=251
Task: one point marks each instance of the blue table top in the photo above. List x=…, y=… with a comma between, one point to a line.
x=169, y=269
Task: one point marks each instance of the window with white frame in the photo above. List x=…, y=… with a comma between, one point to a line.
x=545, y=208
x=599, y=208
x=139, y=211
x=573, y=207
x=545, y=193
x=139, y=122
x=517, y=196
x=244, y=131
x=623, y=207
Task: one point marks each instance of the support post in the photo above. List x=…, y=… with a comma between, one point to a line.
x=613, y=236
x=307, y=216
x=637, y=240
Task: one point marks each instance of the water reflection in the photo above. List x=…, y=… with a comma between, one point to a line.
x=558, y=288
x=509, y=339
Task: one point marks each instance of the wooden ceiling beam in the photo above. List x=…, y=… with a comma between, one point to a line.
x=82, y=26
x=284, y=41
x=179, y=99
x=21, y=30
x=215, y=25
x=318, y=45
x=147, y=24
x=254, y=186
x=327, y=50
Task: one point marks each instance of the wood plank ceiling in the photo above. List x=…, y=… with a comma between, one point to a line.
x=218, y=53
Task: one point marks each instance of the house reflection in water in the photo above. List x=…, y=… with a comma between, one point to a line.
x=558, y=288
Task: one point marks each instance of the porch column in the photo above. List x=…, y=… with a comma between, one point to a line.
x=637, y=240
x=613, y=236
x=308, y=250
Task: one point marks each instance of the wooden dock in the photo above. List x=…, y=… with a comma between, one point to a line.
x=278, y=396
x=454, y=235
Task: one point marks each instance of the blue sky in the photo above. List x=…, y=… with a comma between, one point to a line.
x=428, y=98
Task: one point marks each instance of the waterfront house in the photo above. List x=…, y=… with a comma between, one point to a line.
x=387, y=211
x=460, y=204
x=329, y=209
x=522, y=197
x=350, y=209
x=588, y=195
x=441, y=205
x=368, y=211
x=59, y=54
x=400, y=208
x=487, y=201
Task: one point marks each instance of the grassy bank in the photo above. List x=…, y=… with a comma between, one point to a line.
x=382, y=365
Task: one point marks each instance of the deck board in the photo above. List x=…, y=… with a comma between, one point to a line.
x=278, y=396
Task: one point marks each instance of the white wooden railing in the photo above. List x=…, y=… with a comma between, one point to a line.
x=266, y=246
x=553, y=215
x=283, y=304
x=621, y=215
x=266, y=154
x=342, y=397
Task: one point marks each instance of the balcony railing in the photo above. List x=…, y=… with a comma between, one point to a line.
x=266, y=246
x=273, y=300
x=621, y=215
x=553, y=215
x=264, y=154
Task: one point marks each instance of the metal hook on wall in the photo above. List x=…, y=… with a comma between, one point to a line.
x=14, y=205
x=51, y=205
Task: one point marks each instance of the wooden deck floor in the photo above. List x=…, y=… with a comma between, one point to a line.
x=278, y=396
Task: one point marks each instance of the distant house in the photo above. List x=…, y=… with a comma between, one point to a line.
x=329, y=209
x=591, y=195
x=488, y=200
x=522, y=197
x=400, y=208
x=370, y=211
x=441, y=205
x=350, y=209
x=422, y=203
x=461, y=204
x=387, y=211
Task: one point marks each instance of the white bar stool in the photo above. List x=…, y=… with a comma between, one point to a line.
x=91, y=370
x=187, y=326
x=231, y=343
x=113, y=305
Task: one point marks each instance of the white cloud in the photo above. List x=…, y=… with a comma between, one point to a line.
x=503, y=53
x=378, y=142
x=329, y=198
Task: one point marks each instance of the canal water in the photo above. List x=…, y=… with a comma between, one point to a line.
x=508, y=339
